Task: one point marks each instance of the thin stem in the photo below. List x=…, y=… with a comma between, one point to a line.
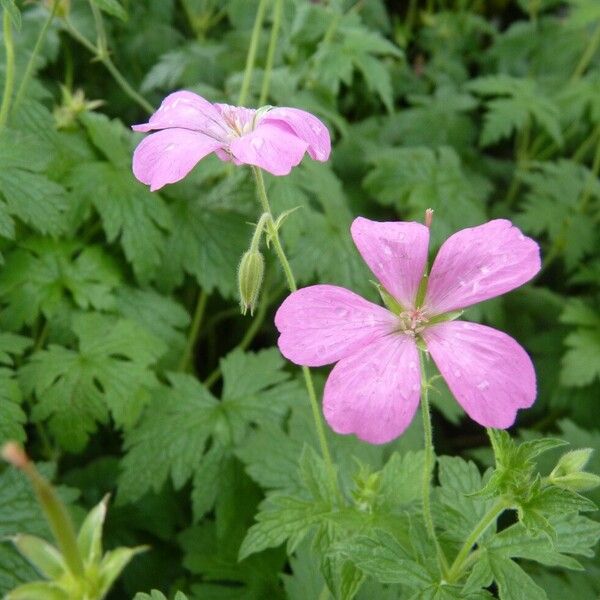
x=428, y=465
x=291, y=281
x=9, y=80
x=587, y=55
x=34, y=54
x=264, y=91
x=522, y=161
x=110, y=67
x=490, y=517
x=194, y=330
x=258, y=21
x=55, y=511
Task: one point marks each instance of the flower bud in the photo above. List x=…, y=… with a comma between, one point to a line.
x=250, y=276
x=572, y=462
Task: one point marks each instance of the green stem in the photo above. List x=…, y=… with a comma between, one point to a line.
x=110, y=67
x=291, y=281
x=9, y=80
x=522, y=162
x=55, y=511
x=490, y=517
x=258, y=21
x=587, y=55
x=264, y=91
x=194, y=330
x=428, y=465
x=34, y=54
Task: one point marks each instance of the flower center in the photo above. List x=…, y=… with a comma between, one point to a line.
x=412, y=322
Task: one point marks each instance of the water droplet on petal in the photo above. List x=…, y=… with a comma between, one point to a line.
x=412, y=365
x=387, y=251
x=483, y=384
x=484, y=270
x=316, y=128
x=457, y=373
x=257, y=142
x=170, y=147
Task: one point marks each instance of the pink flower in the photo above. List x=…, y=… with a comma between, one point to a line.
x=190, y=128
x=373, y=390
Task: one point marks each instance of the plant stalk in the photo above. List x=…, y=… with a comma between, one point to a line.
x=250, y=59
x=291, y=281
x=264, y=91
x=9, y=81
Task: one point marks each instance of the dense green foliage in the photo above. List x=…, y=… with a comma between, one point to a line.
x=126, y=367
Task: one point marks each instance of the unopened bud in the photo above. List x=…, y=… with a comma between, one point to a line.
x=15, y=455
x=572, y=462
x=428, y=217
x=577, y=482
x=250, y=277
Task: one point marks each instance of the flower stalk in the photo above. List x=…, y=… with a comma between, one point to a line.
x=428, y=465
x=54, y=510
x=9, y=79
x=273, y=236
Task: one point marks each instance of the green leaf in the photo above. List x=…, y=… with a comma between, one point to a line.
x=525, y=101
x=43, y=275
x=381, y=556
x=25, y=191
x=461, y=509
x=414, y=179
x=46, y=559
x=110, y=371
x=513, y=582
x=185, y=415
x=89, y=538
x=284, y=517
x=112, y=7
x=46, y=590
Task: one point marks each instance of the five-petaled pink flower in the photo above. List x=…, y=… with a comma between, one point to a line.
x=190, y=127
x=373, y=390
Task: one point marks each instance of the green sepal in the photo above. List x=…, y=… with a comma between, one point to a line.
x=449, y=316
x=388, y=300
x=571, y=462
x=577, y=482
x=46, y=559
x=113, y=564
x=38, y=590
x=89, y=538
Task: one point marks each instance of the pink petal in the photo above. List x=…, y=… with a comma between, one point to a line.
x=270, y=147
x=489, y=373
x=321, y=324
x=478, y=263
x=189, y=111
x=169, y=155
x=375, y=392
x=307, y=127
x=396, y=252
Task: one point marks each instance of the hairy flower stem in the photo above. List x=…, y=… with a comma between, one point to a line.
x=264, y=91
x=273, y=237
x=194, y=331
x=457, y=568
x=258, y=22
x=428, y=465
x=34, y=54
x=587, y=55
x=9, y=79
x=55, y=511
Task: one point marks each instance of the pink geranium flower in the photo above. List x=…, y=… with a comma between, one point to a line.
x=373, y=390
x=189, y=128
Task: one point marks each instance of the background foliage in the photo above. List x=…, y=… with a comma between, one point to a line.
x=125, y=364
